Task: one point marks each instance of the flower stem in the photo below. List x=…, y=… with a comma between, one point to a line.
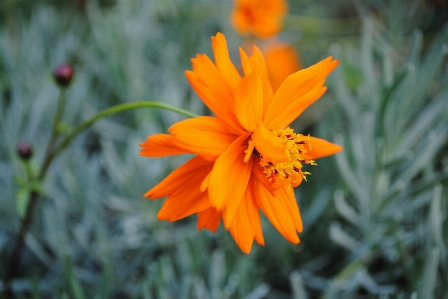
x=14, y=260
x=114, y=110
x=51, y=153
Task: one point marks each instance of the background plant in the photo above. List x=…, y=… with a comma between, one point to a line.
x=375, y=216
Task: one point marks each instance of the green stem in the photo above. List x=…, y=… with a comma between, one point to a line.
x=49, y=153
x=29, y=171
x=14, y=260
x=114, y=110
x=59, y=110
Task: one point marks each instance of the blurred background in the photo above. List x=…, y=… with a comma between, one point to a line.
x=375, y=216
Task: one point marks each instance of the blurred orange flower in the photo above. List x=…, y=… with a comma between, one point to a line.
x=247, y=158
x=262, y=18
x=281, y=61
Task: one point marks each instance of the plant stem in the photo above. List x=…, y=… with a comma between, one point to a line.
x=14, y=260
x=16, y=254
x=113, y=110
x=50, y=154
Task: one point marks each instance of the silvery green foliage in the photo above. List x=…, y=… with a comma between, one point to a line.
x=93, y=236
x=382, y=233
x=394, y=130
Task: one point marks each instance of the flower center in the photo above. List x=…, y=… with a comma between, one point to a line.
x=295, y=148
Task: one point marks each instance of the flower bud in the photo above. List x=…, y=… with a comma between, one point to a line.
x=24, y=151
x=63, y=74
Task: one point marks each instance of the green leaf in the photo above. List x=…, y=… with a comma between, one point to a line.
x=429, y=277
x=435, y=221
x=75, y=286
x=342, y=238
x=345, y=209
x=297, y=286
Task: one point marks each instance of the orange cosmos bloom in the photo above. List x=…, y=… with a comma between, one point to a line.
x=247, y=158
x=262, y=18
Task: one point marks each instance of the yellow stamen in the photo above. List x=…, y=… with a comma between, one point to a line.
x=295, y=148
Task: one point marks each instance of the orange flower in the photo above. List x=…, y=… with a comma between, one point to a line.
x=281, y=61
x=262, y=18
x=247, y=158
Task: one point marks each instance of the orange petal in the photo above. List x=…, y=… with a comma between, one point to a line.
x=217, y=83
x=230, y=174
x=249, y=102
x=241, y=228
x=249, y=151
x=230, y=210
x=320, y=148
x=203, y=135
x=195, y=169
x=223, y=62
x=161, y=145
x=269, y=145
x=259, y=65
x=277, y=211
x=290, y=203
x=209, y=219
x=214, y=90
x=245, y=63
x=288, y=100
x=290, y=113
x=256, y=64
x=253, y=213
x=204, y=184
x=186, y=201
